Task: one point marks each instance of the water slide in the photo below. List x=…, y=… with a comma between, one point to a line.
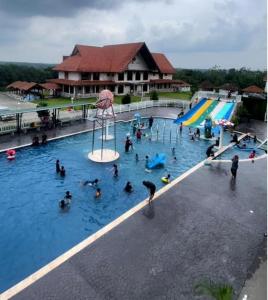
x=191, y=112
x=206, y=113
x=215, y=109
x=225, y=112
x=199, y=113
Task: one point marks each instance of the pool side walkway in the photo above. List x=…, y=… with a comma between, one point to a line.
x=7, y=141
x=206, y=226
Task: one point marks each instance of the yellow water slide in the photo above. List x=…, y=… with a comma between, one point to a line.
x=197, y=115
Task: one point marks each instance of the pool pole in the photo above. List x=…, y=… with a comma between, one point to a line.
x=221, y=137
x=170, y=135
x=93, y=136
x=102, y=135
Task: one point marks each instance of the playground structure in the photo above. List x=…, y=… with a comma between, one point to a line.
x=157, y=161
x=104, y=113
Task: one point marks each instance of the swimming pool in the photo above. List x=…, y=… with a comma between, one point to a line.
x=33, y=229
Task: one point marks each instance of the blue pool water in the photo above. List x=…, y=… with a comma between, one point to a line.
x=33, y=229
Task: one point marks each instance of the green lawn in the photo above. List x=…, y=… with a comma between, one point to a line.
x=175, y=95
x=52, y=102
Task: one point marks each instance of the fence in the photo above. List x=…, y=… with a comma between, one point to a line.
x=69, y=117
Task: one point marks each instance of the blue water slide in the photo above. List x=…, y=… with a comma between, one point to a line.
x=157, y=161
x=191, y=112
x=229, y=112
x=221, y=114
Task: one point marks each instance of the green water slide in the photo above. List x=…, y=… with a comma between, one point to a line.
x=205, y=114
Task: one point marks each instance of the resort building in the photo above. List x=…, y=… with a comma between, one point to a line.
x=123, y=69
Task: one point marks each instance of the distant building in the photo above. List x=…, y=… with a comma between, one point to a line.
x=228, y=89
x=206, y=86
x=123, y=69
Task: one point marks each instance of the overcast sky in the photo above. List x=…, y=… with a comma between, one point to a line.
x=192, y=33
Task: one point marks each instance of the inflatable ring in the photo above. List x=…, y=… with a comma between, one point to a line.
x=11, y=152
x=164, y=180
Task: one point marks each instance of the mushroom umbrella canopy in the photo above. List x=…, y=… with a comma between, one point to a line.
x=105, y=100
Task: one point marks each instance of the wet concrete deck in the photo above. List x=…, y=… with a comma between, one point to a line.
x=206, y=226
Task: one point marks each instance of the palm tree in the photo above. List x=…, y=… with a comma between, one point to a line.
x=217, y=291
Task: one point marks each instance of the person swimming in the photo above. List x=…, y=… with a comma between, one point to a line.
x=65, y=203
x=68, y=197
x=98, y=193
x=91, y=182
x=128, y=188
x=137, y=157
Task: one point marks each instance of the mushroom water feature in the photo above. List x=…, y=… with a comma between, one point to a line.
x=104, y=113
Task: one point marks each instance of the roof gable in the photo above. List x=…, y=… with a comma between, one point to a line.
x=163, y=63
x=110, y=58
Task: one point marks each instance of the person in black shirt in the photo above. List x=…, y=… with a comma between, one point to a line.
x=151, y=187
x=128, y=188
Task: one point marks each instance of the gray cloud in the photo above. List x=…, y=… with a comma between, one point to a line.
x=61, y=8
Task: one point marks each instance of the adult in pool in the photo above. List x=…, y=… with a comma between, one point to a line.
x=57, y=166
x=62, y=171
x=115, y=170
x=128, y=144
x=128, y=188
x=151, y=121
x=136, y=157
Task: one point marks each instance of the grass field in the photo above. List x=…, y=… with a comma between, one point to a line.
x=175, y=95
x=52, y=102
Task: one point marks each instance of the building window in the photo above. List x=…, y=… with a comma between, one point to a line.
x=145, y=76
x=71, y=89
x=120, y=89
x=97, y=89
x=121, y=76
x=87, y=89
x=129, y=75
x=85, y=76
x=111, y=88
x=66, y=88
x=145, y=87
x=161, y=76
x=138, y=76
x=65, y=75
x=96, y=76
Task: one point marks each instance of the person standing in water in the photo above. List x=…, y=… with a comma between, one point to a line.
x=115, y=170
x=151, y=121
x=57, y=166
x=181, y=126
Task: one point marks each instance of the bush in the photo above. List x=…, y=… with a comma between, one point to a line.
x=126, y=99
x=154, y=95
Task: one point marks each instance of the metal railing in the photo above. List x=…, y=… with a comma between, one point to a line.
x=69, y=117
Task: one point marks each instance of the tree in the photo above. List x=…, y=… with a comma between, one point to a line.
x=217, y=291
x=126, y=99
x=154, y=95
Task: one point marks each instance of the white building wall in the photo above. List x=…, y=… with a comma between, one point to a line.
x=61, y=75
x=167, y=76
x=138, y=63
x=153, y=76
x=74, y=76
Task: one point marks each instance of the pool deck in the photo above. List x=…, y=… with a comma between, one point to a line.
x=8, y=141
x=205, y=227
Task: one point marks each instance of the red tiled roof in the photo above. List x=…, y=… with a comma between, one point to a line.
x=50, y=86
x=23, y=85
x=82, y=82
x=110, y=59
x=163, y=64
x=253, y=89
x=176, y=82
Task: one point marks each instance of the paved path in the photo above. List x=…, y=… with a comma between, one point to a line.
x=12, y=103
x=207, y=226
